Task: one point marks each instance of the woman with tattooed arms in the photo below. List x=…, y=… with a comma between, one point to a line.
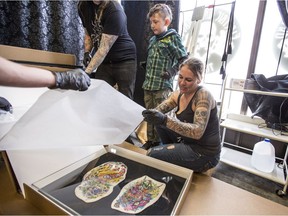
x=192, y=138
x=109, y=49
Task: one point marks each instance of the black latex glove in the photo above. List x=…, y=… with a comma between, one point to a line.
x=87, y=59
x=154, y=117
x=5, y=105
x=75, y=79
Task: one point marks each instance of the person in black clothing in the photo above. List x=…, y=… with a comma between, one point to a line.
x=192, y=138
x=109, y=49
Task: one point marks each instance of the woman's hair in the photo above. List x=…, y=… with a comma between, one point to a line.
x=195, y=65
x=163, y=9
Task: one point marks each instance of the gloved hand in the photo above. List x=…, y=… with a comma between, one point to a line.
x=154, y=117
x=87, y=59
x=75, y=79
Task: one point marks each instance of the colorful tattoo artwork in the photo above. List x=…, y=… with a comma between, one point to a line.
x=138, y=195
x=100, y=181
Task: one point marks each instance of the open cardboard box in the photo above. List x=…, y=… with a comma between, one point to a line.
x=54, y=194
x=53, y=61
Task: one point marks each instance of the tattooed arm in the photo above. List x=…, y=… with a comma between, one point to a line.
x=202, y=106
x=169, y=104
x=106, y=43
x=87, y=42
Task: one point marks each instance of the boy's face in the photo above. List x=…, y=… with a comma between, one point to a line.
x=158, y=24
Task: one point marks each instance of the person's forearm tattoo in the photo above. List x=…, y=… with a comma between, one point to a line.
x=106, y=43
x=87, y=42
x=166, y=106
x=195, y=130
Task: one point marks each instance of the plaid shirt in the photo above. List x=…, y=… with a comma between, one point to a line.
x=164, y=53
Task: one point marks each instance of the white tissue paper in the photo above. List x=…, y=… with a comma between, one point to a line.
x=59, y=118
x=64, y=126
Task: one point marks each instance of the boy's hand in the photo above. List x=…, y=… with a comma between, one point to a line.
x=169, y=73
x=166, y=75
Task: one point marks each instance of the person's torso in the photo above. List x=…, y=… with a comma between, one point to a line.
x=209, y=143
x=111, y=21
x=163, y=53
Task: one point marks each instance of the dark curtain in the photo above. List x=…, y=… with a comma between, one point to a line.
x=139, y=29
x=44, y=25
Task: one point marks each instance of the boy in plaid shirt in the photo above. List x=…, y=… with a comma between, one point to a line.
x=165, y=53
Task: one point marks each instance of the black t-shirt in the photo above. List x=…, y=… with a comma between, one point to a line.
x=114, y=22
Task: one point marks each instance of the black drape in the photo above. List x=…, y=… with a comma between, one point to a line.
x=44, y=25
x=139, y=29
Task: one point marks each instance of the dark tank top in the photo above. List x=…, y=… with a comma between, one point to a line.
x=209, y=143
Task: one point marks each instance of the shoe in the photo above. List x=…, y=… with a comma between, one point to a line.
x=149, y=144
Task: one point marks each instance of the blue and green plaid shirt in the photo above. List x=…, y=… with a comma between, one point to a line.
x=165, y=52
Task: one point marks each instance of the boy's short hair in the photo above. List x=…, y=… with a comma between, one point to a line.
x=163, y=9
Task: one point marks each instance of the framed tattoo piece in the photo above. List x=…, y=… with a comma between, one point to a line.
x=100, y=181
x=138, y=195
x=114, y=181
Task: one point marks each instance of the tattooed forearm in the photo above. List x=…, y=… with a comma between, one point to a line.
x=166, y=106
x=202, y=105
x=106, y=43
x=193, y=131
x=87, y=42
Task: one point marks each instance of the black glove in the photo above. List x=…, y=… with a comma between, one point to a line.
x=87, y=59
x=5, y=105
x=154, y=117
x=75, y=79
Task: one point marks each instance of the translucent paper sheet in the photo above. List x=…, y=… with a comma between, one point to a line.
x=64, y=126
x=59, y=118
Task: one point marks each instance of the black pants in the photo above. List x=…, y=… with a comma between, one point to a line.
x=123, y=74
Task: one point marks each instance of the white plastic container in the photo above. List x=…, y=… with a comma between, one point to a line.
x=263, y=156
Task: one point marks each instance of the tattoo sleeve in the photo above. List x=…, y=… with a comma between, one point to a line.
x=87, y=42
x=166, y=105
x=106, y=43
x=203, y=104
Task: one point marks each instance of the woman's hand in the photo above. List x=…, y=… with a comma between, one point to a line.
x=154, y=117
